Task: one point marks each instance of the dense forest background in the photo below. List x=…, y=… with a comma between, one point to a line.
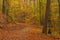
x=42, y=13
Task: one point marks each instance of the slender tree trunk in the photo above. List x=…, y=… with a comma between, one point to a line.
x=59, y=6
x=40, y=5
x=59, y=14
x=3, y=7
x=46, y=17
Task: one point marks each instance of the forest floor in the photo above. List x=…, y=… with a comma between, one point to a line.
x=13, y=32
x=21, y=31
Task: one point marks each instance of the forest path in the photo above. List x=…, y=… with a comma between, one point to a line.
x=29, y=31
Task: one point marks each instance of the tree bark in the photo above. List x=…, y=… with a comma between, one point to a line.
x=3, y=7
x=47, y=14
x=59, y=14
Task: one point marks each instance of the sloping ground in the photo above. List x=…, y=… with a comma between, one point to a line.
x=21, y=31
x=2, y=18
x=33, y=34
x=16, y=26
x=27, y=33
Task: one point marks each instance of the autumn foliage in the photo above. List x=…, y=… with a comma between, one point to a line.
x=21, y=31
x=25, y=19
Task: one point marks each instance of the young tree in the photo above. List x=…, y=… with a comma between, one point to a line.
x=6, y=8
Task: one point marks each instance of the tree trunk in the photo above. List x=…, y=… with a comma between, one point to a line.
x=59, y=14
x=3, y=7
x=47, y=14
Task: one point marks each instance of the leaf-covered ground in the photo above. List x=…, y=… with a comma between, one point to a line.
x=28, y=32
x=21, y=31
x=25, y=34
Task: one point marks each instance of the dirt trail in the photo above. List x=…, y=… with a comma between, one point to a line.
x=28, y=33
x=20, y=31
